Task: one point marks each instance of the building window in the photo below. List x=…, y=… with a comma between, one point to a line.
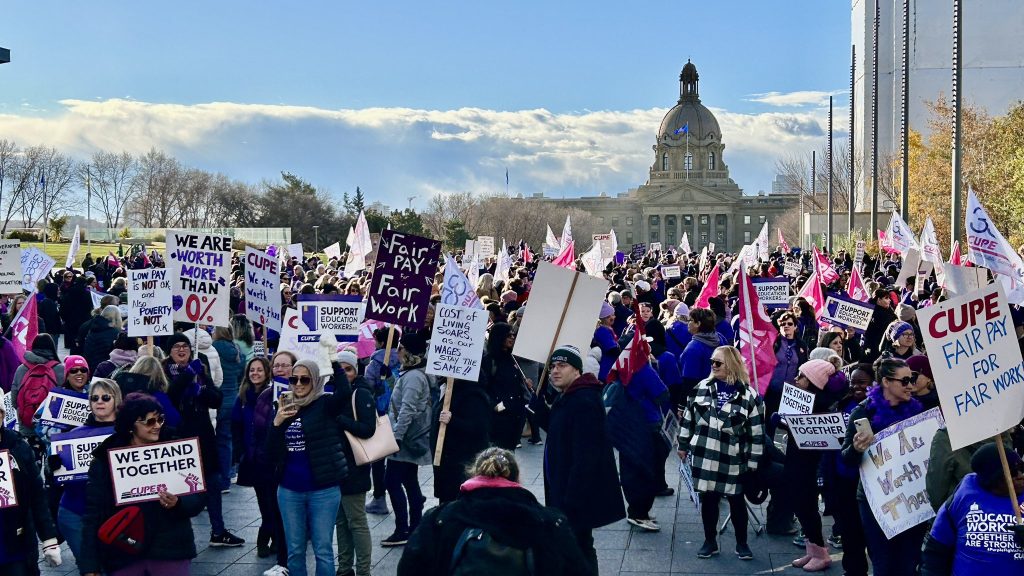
x=746, y=237
x=688, y=162
x=721, y=239
x=654, y=221
x=629, y=221
x=762, y=219
x=711, y=160
x=703, y=238
x=670, y=228
x=629, y=237
x=688, y=221
x=615, y=222
x=655, y=236
x=664, y=162
x=704, y=220
x=746, y=219
x=720, y=219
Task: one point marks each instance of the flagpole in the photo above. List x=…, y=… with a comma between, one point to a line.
x=88, y=208
x=750, y=327
x=687, y=161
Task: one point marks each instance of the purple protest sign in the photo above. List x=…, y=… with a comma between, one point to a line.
x=402, y=278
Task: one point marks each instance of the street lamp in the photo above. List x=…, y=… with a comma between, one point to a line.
x=5, y=55
x=316, y=239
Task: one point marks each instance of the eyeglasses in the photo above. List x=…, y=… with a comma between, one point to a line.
x=784, y=324
x=152, y=421
x=180, y=346
x=906, y=380
x=78, y=371
x=717, y=363
x=282, y=366
x=104, y=398
x=304, y=380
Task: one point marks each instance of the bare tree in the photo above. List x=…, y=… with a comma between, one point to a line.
x=155, y=203
x=796, y=174
x=110, y=180
x=11, y=186
x=46, y=180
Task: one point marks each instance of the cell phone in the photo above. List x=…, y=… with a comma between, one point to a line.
x=286, y=400
x=864, y=426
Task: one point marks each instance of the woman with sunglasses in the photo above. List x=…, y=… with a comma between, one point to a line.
x=169, y=540
x=790, y=353
x=305, y=445
x=104, y=401
x=889, y=402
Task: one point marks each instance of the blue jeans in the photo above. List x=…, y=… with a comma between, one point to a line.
x=401, y=480
x=309, y=517
x=70, y=526
x=224, y=447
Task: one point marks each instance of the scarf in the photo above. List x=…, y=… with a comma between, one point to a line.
x=708, y=338
x=884, y=415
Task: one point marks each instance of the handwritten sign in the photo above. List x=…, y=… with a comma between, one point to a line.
x=8, y=497
x=262, y=289
x=977, y=364
x=796, y=401
x=140, y=473
x=817, y=431
x=149, y=302
x=671, y=272
x=485, y=246
x=10, y=266
x=608, y=247
x=859, y=254
x=75, y=452
x=457, y=342
x=893, y=473
x=791, y=268
x=402, y=279
x=772, y=293
x=35, y=265
x=638, y=250
x=64, y=408
x=337, y=314
x=200, y=267
x=846, y=312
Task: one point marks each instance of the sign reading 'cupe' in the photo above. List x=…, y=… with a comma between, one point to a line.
x=200, y=265
x=262, y=289
x=402, y=279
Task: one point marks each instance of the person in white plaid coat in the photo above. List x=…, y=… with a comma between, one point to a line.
x=722, y=428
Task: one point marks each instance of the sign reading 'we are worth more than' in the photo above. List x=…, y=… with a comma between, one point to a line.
x=200, y=265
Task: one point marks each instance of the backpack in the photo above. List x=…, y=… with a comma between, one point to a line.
x=477, y=552
x=383, y=388
x=35, y=385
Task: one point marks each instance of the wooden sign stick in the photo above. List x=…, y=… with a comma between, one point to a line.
x=1008, y=476
x=444, y=427
x=554, y=339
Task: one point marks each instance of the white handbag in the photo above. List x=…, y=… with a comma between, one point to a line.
x=381, y=445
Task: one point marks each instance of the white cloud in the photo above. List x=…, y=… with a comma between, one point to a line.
x=797, y=98
x=393, y=153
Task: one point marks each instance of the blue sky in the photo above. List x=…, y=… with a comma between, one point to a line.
x=414, y=98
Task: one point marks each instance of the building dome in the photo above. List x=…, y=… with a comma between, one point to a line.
x=701, y=123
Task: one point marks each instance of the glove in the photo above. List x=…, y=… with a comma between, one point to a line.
x=195, y=367
x=51, y=552
x=385, y=372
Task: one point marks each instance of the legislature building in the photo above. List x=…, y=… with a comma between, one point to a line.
x=688, y=188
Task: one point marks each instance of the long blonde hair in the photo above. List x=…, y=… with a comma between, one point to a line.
x=151, y=367
x=734, y=366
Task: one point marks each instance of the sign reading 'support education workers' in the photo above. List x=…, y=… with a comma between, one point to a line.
x=140, y=473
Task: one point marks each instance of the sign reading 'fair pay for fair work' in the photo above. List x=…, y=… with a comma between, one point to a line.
x=140, y=473
x=402, y=279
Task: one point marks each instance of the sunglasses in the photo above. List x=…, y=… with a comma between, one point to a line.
x=906, y=380
x=78, y=371
x=152, y=421
x=104, y=398
x=304, y=380
x=783, y=324
x=717, y=363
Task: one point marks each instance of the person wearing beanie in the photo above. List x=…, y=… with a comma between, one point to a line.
x=605, y=339
x=43, y=352
x=972, y=533
x=580, y=477
x=900, y=341
x=924, y=383
x=623, y=312
x=677, y=332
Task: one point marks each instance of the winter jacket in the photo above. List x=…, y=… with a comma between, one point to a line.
x=232, y=363
x=361, y=424
x=323, y=438
x=246, y=350
x=695, y=361
x=677, y=336
x=947, y=467
x=205, y=346
x=580, y=477
x=168, y=533
x=75, y=310
x=20, y=525
x=410, y=411
x=193, y=396
x=118, y=359
x=75, y=493
x=49, y=313
x=250, y=423
x=9, y=364
x=875, y=332
x=508, y=513
x=647, y=388
x=725, y=443
x=466, y=435
x=789, y=355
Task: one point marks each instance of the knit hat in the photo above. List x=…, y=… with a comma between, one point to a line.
x=818, y=372
x=906, y=312
x=568, y=354
x=670, y=304
x=682, y=310
x=349, y=357
x=985, y=463
x=176, y=338
x=896, y=328
x=74, y=361
x=822, y=353
x=920, y=365
x=643, y=285
x=606, y=310
x=414, y=343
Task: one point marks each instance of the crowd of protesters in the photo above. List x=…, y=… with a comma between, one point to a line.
x=608, y=438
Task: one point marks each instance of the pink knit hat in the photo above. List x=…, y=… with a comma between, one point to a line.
x=818, y=372
x=74, y=361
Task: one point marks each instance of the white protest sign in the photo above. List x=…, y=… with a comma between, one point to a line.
x=859, y=254
x=559, y=293
x=262, y=289
x=10, y=414
x=607, y=243
x=686, y=473
x=796, y=401
x=258, y=349
x=960, y=280
x=35, y=265
x=75, y=452
x=893, y=473
x=485, y=246
x=10, y=266
x=655, y=246
x=457, y=342
x=200, y=268
x=295, y=251
x=65, y=408
x=338, y=314
x=791, y=268
x=140, y=473
x=911, y=263
x=772, y=293
x=671, y=271
x=846, y=312
x=333, y=251
x=977, y=364
x=468, y=252
x=149, y=302
x=817, y=431
x=8, y=498
x=304, y=346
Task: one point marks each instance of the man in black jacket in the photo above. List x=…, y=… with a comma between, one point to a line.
x=882, y=316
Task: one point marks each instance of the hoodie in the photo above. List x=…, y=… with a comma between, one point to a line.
x=205, y=345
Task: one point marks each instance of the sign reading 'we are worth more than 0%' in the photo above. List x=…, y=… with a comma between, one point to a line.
x=200, y=265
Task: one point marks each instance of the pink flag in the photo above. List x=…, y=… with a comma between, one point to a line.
x=782, y=242
x=954, y=256
x=813, y=293
x=710, y=288
x=884, y=244
x=757, y=335
x=25, y=327
x=826, y=272
x=567, y=258
x=855, y=288
x=525, y=254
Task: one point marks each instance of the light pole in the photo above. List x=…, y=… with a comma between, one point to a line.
x=316, y=239
x=5, y=55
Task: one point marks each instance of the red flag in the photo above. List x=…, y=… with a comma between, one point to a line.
x=757, y=335
x=855, y=288
x=567, y=259
x=710, y=288
x=812, y=292
x=525, y=254
x=955, y=256
x=25, y=326
x=782, y=242
x=826, y=272
x=636, y=354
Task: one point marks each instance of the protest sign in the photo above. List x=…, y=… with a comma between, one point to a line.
x=402, y=279
x=140, y=473
x=149, y=302
x=469, y=251
x=456, y=289
x=302, y=344
x=259, y=349
x=75, y=452
x=795, y=400
x=485, y=246
x=893, y=473
x=35, y=265
x=858, y=257
x=337, y=314
x=333, y=251
x=976, y=363
x=10, y=266
x=457, y=342
x=262, y=289
x=200, y=268
x=791, y=268
x=295, y=251
x=8, y=497
x=10, y=414
x=550, y=251
x=686, y=474
x=607, y=243
x=671, y=272
x=655, y=246
x=846, y=312
x=772, y=293
x=960, y=280
x=563, y=309
x=817, y=431
x=65, y=408
x=638, y=250
x=911, y=263
x=366, y=345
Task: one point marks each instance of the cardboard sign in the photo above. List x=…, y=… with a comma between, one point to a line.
x=457, y=342
x=858, y=257
x=402, y=279
x=295, y=251
x=791, y=268
x=337, y=314
x=140, y=473
x=485, y=246
x=65, y=409
x=671, y=272
x=35, y=265
x=655, y=246
x=817, y=431
x=10, y=266
x=149, y=302
x=795, y=400
x=76, y=453
x=960, y=280
x=893, y=473
x=977, y=364
x=638, y=250
x=262, y=289
x=772, y=293
x=8, y=498
x=847, y=312
x=200, y=268
x=559, y=293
